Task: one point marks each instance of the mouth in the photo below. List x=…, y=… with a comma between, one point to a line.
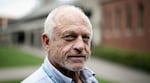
x=77, y=59
x=76, y=56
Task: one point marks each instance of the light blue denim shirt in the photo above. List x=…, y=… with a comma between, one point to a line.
x=47, y=73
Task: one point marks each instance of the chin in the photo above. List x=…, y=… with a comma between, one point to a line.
x=76, y=67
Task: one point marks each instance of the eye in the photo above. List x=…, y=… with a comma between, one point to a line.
x=86, y=38
x=70, y=37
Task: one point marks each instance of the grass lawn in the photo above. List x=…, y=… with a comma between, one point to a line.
x=135, y=59
x=11, y=81
x=18, y=81
x=102, y=80
x=12, y=57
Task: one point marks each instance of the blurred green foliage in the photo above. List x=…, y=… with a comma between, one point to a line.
x=102, y=80
x=11, y=81
x=11, y=57
x=18, y=81
x=134, y=59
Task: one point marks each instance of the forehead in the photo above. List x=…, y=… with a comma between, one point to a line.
x=71, y=20
x=74, y=26
x=79, y=29
x=69, y=16
x=72, y=29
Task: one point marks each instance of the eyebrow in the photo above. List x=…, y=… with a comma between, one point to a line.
x=73, y=32
x=68, y=32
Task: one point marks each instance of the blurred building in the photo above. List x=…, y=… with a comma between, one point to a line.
x=27, y=31
x=4, y=39
x=117, y=23
x=126, y=24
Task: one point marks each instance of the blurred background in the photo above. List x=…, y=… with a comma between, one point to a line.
x=120, y=45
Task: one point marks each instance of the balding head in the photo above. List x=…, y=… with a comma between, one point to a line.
x=65, y=15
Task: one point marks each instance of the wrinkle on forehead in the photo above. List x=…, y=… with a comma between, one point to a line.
x=68, y=16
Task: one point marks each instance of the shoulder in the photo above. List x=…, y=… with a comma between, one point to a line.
x=39, y=76
x=89, y=75
x=88, y=71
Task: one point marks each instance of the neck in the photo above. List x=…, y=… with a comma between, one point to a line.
x=75, y=75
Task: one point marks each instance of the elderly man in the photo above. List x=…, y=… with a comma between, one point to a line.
x=66, y=39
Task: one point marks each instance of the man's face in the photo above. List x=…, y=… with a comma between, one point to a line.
x=70, y=47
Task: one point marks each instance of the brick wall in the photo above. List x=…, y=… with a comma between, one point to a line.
x=126, y=24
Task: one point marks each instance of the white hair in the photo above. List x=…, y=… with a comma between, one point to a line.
x=50, y=23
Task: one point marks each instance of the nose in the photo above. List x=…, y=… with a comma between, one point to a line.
x=79, y=45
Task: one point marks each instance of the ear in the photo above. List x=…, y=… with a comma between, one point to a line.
x=45, y=41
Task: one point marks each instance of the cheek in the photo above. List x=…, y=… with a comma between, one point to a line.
x=66, y=48
x=60, y=50
x=55, y=51
x=88, y=50
x=56, y=54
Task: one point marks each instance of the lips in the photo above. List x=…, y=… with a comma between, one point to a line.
x=77, y=58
